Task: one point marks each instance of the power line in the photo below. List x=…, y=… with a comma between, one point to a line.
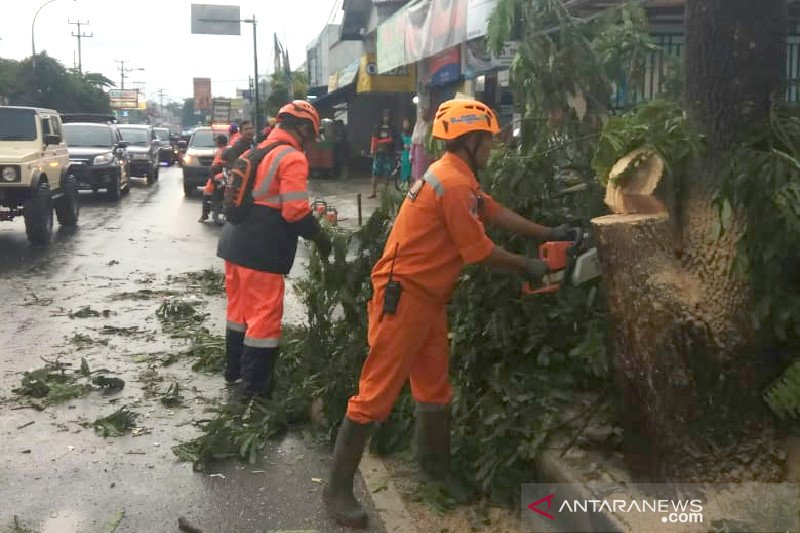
x=80, y=35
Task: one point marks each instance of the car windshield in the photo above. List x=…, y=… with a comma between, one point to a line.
x=17, y=125
x=88, y=136
x=135, y=135
x=205, y=138
x=163, y=135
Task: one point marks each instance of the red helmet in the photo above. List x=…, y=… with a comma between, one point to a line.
x=302, y=110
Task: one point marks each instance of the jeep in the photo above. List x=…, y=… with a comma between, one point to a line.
x=34, y=179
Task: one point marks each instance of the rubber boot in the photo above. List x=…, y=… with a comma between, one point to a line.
x=338, y=493
x=206, y=209
x=433, y=450
x=258, y=366
x=234, y=345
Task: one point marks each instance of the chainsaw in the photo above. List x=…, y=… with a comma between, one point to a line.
x=574, y=261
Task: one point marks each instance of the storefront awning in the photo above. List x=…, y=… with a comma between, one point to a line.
x=333, y=98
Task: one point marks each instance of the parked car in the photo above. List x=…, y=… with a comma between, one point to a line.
x=98, y=158
x=165, y=153
x=142, y=150
x=198, y=158
x=34, y=177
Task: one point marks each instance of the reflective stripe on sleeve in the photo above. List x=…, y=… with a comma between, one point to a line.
x=434, y=182
x=236, y=326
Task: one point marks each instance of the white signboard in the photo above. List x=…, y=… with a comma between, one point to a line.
x=478, y=14
x=215, y=19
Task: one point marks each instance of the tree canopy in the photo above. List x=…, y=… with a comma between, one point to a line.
x=53, y=86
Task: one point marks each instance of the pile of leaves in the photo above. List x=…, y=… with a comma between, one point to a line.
x=55, y=382
x=116, y=424
x=209, y=281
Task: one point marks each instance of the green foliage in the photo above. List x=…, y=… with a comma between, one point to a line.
x=53, y=383
x=209, y=281
x=172, y=397
x=783, y=396
x=280, y=94
x=116, y=424
x=52, y=86
x=660, y=126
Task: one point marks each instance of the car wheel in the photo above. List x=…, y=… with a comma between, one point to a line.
x=114, y=190
x=187, y=188
x=38, y=214
x=151, y=176
x=158, y=171
x=68, y=207
x=127, y=187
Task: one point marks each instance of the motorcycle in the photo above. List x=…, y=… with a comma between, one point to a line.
x=217, y=200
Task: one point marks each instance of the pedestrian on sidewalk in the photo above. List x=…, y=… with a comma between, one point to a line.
x=439, y=229
x=405, y=157
x=260, y=251
x=382, y=149
x=419, y=138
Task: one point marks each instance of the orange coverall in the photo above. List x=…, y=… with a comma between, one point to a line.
x=439, y=229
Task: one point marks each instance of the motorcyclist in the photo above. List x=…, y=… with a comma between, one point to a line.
x=215, y=178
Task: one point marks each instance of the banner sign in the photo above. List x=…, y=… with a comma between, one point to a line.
x=221, y=111
x=391, y=41
x=480, y=61
x=445, y=68
x=124, y=98
x=421, y=30
x=478, y=14
x=402, y=79
x=202, y=94
x=344, y=77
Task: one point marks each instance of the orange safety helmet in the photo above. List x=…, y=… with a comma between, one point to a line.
x=302, y=110
x=455, y=118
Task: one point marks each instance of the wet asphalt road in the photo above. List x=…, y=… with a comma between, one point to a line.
x=57, y=475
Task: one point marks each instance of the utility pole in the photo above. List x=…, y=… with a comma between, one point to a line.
x=123, y=71
x=80, y=36
x=161, y=98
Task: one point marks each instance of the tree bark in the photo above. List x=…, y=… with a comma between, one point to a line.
x=682, y=338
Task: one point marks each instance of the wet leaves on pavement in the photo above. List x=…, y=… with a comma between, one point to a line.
x=209, y=281
x=117, y=423
x=51, y=384
x=172, y=398
x=144, y=294
x=81, y=341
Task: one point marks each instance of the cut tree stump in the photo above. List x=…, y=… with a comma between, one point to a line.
x=655, y=331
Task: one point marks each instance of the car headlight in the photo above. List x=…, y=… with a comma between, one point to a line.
x=187, y=159
x=103, y=159
x=10, y=174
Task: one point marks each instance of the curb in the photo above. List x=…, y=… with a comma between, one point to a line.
x=388, y=503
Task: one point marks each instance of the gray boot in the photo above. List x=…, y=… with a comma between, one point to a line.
x=338, y=493
x=433, y=450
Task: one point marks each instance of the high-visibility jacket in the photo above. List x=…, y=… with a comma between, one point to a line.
x=234, y=150
x=439, y=229
x=267, y=239
x=217, y=164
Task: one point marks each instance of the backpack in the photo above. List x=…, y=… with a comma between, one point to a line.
x=238, y=196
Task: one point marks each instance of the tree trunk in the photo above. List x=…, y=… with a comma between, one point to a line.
x=682, y=339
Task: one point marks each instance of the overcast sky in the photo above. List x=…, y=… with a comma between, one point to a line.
x=156, y=35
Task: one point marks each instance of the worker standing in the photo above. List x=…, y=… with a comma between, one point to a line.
x=260, y=251
x=440, y=227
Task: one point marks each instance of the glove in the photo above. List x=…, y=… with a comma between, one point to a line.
x=535, y=270
x=564, y=232
x=324, y=244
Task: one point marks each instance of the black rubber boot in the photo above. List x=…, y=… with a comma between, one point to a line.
x=206, y=209
x=258, y=365
x=234, y=345
x=433, y=450
x=338, y=493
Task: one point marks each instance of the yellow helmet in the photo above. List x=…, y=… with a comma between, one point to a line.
x=455, y=118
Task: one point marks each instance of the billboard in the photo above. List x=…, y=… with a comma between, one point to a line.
x=215, y=19
x=202, y=94
x=221, y=112
x=124, y=98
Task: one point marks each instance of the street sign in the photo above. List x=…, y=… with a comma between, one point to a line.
x=215, y=19
x=221, y=113
x=124, y=98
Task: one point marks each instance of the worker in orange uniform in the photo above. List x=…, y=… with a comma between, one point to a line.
x=216, y=176
x=260, y=251
x=439, y=229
